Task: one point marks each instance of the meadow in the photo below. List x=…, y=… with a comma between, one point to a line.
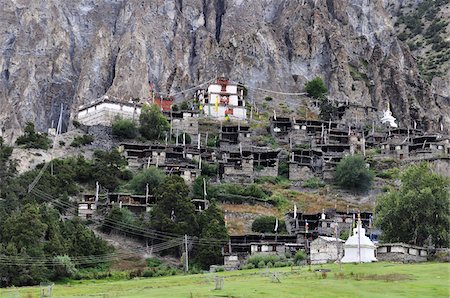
x=349, y=280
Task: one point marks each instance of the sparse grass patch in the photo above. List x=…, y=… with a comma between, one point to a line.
x=361, y=280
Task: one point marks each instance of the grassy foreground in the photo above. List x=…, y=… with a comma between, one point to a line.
x=355, y=280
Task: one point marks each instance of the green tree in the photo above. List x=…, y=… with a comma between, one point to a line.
x=25, y=230
x=316, y=88
x=7, y=166
x=153, y=124
x=108, y=168
x=151, y=176
x=418, y=210
x=33, y=139
x=124, y=128
x=209, y=169
x=353, y=174
x=118, y=219
x=209, y=252
x=174, y=211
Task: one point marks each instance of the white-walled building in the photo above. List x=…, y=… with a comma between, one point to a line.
x=224, y=99
x=326, y=249
x=104, y=110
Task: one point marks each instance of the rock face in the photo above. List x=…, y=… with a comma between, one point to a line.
x=71, y=52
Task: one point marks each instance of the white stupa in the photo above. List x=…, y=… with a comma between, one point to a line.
x=358, y=247
x=388, y=118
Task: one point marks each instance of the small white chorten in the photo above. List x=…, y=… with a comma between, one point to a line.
x=388, y=118
x=358, y=247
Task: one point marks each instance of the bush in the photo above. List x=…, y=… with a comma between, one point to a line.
x=81, y=141
x=316, y=88
x=153, y=124
x=220, y=269
x=249, y=266
x=280, y=264
x=313, y=182
x=153, y=262
x=124, y=128
x=260, y=261
x=389, y=173
x=184, y=106
x=209, y=170
x=76, y=123
x=64, y=267
x=352, y=173
x=151, y=176
x=300, y=256
x=344, y=235
x=33, y=139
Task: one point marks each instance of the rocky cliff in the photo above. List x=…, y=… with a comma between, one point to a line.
x=71, y=52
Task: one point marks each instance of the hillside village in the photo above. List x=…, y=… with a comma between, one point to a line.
x=292, y=156
x=219, y=127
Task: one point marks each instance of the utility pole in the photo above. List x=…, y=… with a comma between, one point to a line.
x=186, y=261
x=336, y=226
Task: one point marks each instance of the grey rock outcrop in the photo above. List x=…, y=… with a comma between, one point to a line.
x=71, y=52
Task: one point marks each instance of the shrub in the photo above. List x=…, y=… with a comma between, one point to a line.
x=153, y=124
x=64, y=267
x=151, y=176
x=153, y=262
x=300, y=255
x=136, y=273
x=280, y=264
x=209, y=170
x=249, y=266
x=313, y=182
x=76, y=123
x=260, y=261
x=184, y=106
x=220, y=269
x=33, y=139
x=316, y=88
x=352, y=173
x=124, y=128
x=389, y=173
x=81, y=141
x=212, y=142
x=344, y=235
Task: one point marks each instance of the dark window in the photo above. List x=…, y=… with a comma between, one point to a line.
x=88, y=216
x=259, y=247
x=388, y=249
x=274, y=248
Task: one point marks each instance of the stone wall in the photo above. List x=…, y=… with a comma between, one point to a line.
x=299, y=173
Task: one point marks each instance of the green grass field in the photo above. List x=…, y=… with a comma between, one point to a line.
x=355, y=280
